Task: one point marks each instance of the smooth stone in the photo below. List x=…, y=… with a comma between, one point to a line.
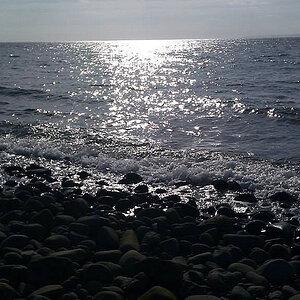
x=49, y=270
x=202, y=297
x=129, y=261
x=257, y=279
x=257, y=291
x=200, y=258
x=221, y=185
x=239, y=293
x=63, y=220
x=283, y=197
x=185, y=209
x=221, y=279
x=280, y=251
x=296, y=297
x=259, y=255
x=289, y=291
x=16, y=241
x=51, y=291
x=79, y=228
x=12, y=258
x=223, y=257
x=171, y=246
x=108, y=255
x=187, y=228
x=97, y=271
x=277, y=271
x=34, y=231
x=7, y=292
x=245, y=242
x=280, y=230
x=76, y=208
x=76, y=255
x=255, y=227
x=150, y=213
x=107, y=238
x=108, y=295
x=250, y=198
x=239, y=267
x=225, y=211
x=57, y=241
x=129, y=241
x=44, y=217
x=123, y=205
x=131, y=178
x=222, y=224
x=158, y=293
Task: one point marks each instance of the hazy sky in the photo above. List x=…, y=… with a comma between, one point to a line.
x=57, y=20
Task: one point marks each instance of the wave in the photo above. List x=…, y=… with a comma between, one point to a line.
x=13, y=92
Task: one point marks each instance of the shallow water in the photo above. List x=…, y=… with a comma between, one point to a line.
x=171, y=110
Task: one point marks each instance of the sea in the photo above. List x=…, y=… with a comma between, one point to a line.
x=171, y=110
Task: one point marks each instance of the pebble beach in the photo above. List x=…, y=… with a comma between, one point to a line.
x=137, y=242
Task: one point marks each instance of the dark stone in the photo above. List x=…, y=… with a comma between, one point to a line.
x=16, y=241
x=280, y=251
x=283, y=197
x=222, y=224
x=255, y=227
x=220, y=185
x=51, y=291
x=171, y=246
x=184, y=229
x=109, y=255
x=250, y=198
x=141, y=189
x=150, y=213
x=221, y=280
x=49, y=270
x=108, y=295
x=34, y=231
x=107, y=238
x=7, y=292
x=44, y=217
x=130, y=178
x=57, y=241
x=280, y=230
x=277, y=271
x=226, y=211
x=259, y=255
x=257, y=279
x=239, y=292
x=245, y=242
x=185, y=209
x=76, y=208
x=96, y=271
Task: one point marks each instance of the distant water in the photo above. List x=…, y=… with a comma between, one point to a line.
x=171, y=110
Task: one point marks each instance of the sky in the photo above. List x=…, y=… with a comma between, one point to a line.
x=80, y=20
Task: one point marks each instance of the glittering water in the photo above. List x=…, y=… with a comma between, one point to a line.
x=182, y=109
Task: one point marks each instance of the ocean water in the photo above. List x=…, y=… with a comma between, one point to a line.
x=193, y=110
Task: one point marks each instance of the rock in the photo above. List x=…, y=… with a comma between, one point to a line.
x=296, y=297
x=63, y=220
x=239, y=267
x=221, y=185
x=107, y=238
x=257, y=279
x=76, y=255
x=161, y=272
x=12, y=258
x=185, y=209
x=283, y=197
x=109, y=255
x=15, y=241
x=130, y=178
x=280, y=230
x=238, y=293
x=49, y=270
x=201, y=258
x=76, y=208
x=255, y=227
x=141, y=189
x=277, y=271
x=129, y=241
x=150, y=213
x=107, y=200
x=97, y=271
x=245, y=242
x=202, y=297
x=129, y=261
x=257, y=291
x=187, y=228
x=7, y=292
x=222, y=224
x=51, y=291
x=288, y=291
x=44, y=217
x=259, y=255
x=221, y=280
x=280, y=251
x=123, y=205
x=57, y=241
x=250, y=198
x=34, y=231
x=108, y=295
x=158, y=293
x=171, y=246
x=225, y=211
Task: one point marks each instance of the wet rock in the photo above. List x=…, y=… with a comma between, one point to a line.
x=7, y=292
x=225, y=211
x=239, y=267
x=250, y=198
x=257, y=291
x=283, y=197
x=202, y=297
x=123, y=205
x=158, y=293
x=245, y=242
x=12, y=258
x=97, y=271
x=107, y=238
x=141, y=189
x=222, y=224
x=129, y=261
x=130, y=178
x=76, y=208
x=150, y=213
x=277, y=271
x=108, y=295
x=76, y=255
x=15, y=241
x=44, y=217
x=200, y=258
x=255, y=227
x=51, y=291
x=63, y=220
x=109, y=255
x=185, y=209
x=263, y=215
x=171, y=246
x=221, y=280
x=129, y=241
x=49, y=270
x=34, y=231
x=280, y=230
x=289, y=291
x=296, y=297
x=221, y=185
x=259, y=255
x=223, y=257
x=238, y=293
x=280, y=251
x=57, y=241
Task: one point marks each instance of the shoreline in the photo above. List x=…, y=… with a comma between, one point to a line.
x=135, y=243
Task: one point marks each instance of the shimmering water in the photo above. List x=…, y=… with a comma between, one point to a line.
x=181, y=109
